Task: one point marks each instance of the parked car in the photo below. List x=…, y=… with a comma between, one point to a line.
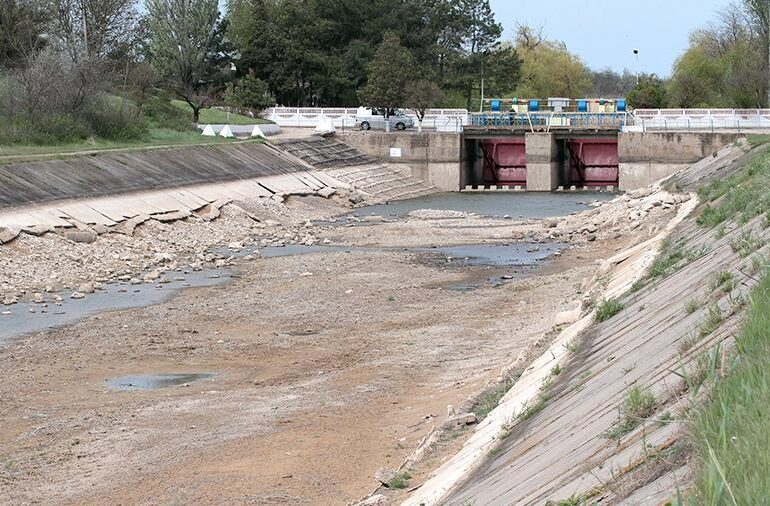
x=367, y=119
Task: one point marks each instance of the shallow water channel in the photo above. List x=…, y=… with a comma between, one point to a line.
x=520, y=205
x=26, y=317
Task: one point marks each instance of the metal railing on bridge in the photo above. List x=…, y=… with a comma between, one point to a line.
x=552, y=120
x=701, y=119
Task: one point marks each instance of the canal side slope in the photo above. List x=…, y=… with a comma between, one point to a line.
x=602, y=415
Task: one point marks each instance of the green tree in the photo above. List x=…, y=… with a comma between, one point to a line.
x=186, y=46
x=725, y=65
x=650, y=93
x=696, y=80
x=548, y=68
x=250, y=92
x=389, y=74
x=760, y=12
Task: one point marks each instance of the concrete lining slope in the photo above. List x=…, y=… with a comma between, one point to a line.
x=361, y=171
x=562, y=451
x=96, y=176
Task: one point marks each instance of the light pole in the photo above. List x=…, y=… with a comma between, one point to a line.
x=481, y=105
x=636, y=53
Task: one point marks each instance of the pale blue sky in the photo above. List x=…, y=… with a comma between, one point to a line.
x=604, y=33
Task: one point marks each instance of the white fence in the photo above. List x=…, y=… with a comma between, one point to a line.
x=443, y=120
x=454, y=120
x=701, y=119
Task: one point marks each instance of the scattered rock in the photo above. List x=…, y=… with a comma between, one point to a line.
x=77, y=295
x=80, y=236
x=86, y=288
x=8, y=234
x=385, y=475
x=152, y=275
x=326, y=192
x=567, y=317
x=460, y=420
x=373, y=500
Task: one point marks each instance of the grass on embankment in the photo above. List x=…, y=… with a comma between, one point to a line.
x=740, y=197
x=732, y=430
x=157, y=137
x=219, y=117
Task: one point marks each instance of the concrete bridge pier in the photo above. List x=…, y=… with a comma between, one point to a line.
x=543, y=161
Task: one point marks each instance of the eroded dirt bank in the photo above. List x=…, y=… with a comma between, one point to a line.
x=327, y=366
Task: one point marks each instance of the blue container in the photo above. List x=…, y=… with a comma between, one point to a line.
x=582, y=106
x=534, y=105
x=495, y=104
x=622, y=105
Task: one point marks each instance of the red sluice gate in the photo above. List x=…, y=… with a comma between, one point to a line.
x=594, y=161
x=505, y=161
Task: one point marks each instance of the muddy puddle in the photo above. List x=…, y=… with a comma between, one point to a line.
x=27, y=317
x=155, y=381
x=497, y=255
x=519, y=205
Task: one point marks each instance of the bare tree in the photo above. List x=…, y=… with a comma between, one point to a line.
x=423, y=95
x=529, y=37
x=96, y=28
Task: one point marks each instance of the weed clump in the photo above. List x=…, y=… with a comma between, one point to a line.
x=638, y=405
x=607, y=309
x=400, y=480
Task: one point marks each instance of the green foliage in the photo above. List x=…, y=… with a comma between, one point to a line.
x=400, y=480
x=491, y=398
x=726, y=63
x=162, y=113
x=389, y=73
x=250, y=92
x=650, y=93
x=712, y=322
x=43, y=130
x=573, y=500
x=747, y=243
x=116, y=121
x=608, y=308
x=724, y=280
x=549, y=70
x=732, y=430
x=741, y=196
x=692, y=305
x=638, y=405
x=218, y=116
x=316, y=52
x=186, y=45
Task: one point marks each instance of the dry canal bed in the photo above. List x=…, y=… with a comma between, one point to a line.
x=324, y=367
